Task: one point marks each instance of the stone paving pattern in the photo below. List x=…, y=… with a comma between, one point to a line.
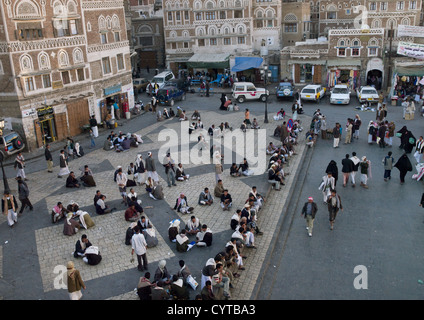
x=54, y=248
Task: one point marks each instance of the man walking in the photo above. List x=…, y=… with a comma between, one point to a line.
x=365, y=166
x=169, y=165
x=23, y=196
x=93, y=125
x=355, y=161
x=334, y=204
x=139, y=246
x=388, y=165
x=151, y=168
x=328, y=183
x=20, y=165
x=336, y=135
x=346, y=169
x=49, y=158
x=309, y=211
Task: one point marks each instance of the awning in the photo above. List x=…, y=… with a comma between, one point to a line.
x=343, y=62
x=244, y=63
x=410, y=70
x=209, y=60
x=112, y=90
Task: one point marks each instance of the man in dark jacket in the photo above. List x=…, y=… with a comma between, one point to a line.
x=49, y=158
x=81, y=245
x=309, y=211
x=347, y=168
x=23, y=196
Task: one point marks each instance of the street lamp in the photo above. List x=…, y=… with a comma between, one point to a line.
x=266, y=74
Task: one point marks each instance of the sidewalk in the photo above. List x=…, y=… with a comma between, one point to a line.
x=82, y=138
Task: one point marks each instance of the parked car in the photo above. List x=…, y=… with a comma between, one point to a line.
x=340, y=94
x=245, y=91
x=367, y=94
x=181, y=84
x=161, y=79
x=10, y=143
x=312, y=92
x=140, y=84
x=285, y=90
x=169, y=94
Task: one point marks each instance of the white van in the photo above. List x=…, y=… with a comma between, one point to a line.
x=160, y=79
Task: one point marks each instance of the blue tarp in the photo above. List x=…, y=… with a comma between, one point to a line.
x=244, y=63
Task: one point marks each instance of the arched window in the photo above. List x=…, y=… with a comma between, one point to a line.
x=290, y=17
x=27, y=9
x=356, y=43
x=63, y=59
x=209, y=5
x=237, y=3
x=43, y=61
x=221, y=4
x=115, y=22
x=197, y=5
x=77, y=56
x=173, y=34
x=145, y=29
x=259, y=14
x=376, y=23
x=58, y=8
x=186, y=34
x=405, y=21
x=109, y=22
x=102, y=23
x=72, y=7
x=269, y=14
x=25, y=62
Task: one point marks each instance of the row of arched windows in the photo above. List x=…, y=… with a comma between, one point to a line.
x=43, y=59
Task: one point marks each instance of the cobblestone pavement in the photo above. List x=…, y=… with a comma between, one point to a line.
x=53, y=248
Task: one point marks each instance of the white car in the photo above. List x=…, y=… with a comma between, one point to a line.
x=244, y=91
x=312, y=92
x=340, y=94
x=367, y=94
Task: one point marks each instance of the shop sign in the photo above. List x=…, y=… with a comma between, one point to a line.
x=44, y=111
x=28, y=112
x=57, y=84
x=413, y=50
x=410, y=31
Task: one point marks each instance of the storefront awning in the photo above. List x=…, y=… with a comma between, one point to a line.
x=244, y=63
x=410, y=71
x=343, y=62
x=209, y=60
x=113, y=90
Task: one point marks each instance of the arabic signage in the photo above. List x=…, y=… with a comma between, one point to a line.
x=410, y=31
x=413, y=50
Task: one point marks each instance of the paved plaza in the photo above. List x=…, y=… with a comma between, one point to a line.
x=32, y=249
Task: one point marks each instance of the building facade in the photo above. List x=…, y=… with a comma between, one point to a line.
x=147, y=33
x=53, y=58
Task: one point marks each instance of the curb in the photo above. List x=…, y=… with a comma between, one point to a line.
x=288, y=214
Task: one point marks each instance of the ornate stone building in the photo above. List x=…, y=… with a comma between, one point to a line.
x=58, y=61
x=147, y=34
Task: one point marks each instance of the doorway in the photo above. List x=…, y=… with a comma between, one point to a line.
x=374, y=79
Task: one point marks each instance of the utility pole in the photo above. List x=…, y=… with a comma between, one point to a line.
x=390, y=34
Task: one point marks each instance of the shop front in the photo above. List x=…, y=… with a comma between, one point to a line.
x=207, y=64
x=307, y=72
x=408, y=80
x=247, y=68
x=114, y=96
x=344, y=72
x=45, y=126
